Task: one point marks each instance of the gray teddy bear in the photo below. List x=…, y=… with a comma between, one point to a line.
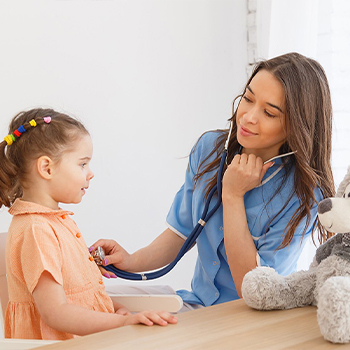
x=327, y=282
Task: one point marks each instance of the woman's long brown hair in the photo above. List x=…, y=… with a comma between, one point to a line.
x=308, y=124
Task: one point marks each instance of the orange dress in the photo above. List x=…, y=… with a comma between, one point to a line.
x=41, y=239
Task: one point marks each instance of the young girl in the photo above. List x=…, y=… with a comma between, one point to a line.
x=55, y=287
x=268, y=210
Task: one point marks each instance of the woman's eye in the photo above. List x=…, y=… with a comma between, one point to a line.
x=268, y=114
x=83, y=165
x=246, y=98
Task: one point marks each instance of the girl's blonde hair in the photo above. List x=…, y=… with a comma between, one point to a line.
x=39, y=138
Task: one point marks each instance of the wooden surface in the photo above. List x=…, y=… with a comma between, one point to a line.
x=23, y=344
x=232, y=325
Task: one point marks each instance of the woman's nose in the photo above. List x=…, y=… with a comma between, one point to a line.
x=251, y=116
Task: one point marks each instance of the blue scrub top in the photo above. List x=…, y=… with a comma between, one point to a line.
x=212, y=282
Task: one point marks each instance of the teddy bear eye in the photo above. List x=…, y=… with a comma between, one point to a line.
x=344, y=195
x=348, y=194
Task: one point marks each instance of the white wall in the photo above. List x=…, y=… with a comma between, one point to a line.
x=146, y=76
x=336, y=40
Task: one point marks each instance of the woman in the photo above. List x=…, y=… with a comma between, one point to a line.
x=268, y=207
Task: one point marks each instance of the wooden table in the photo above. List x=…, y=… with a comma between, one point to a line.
x=231, y=325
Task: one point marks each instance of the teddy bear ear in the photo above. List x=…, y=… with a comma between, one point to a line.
x=343, y=184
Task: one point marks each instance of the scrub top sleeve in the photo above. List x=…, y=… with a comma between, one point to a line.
x=284, y=260
x=179, y=218
x=40, y=252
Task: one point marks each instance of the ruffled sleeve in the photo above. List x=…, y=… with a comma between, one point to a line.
x=40, y=252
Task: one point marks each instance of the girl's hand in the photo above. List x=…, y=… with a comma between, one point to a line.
x=123, y=311
x=243, y=174
x=149, y=318
x=114, y=254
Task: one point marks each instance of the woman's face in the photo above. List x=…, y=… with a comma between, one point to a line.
x=260, y=116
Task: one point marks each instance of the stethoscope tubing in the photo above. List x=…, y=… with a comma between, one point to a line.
x=191, y=239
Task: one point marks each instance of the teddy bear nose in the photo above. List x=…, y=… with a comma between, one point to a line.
x=324, y=206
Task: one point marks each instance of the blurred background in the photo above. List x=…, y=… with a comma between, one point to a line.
x=147, y=78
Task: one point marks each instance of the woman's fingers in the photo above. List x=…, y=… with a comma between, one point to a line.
x=106, y=244
x=107, y=274
x=243, y=174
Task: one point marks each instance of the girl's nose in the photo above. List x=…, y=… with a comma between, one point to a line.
x=90, y=175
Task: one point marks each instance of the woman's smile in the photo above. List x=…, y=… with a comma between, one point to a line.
x=245, y=131
x=260, y=116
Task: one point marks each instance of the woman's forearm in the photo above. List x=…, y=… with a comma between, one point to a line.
x=239, y=245
x=159, y=253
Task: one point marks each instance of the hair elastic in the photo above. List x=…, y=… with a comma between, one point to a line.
x=21, y=129
x=32, y=123
x=8, y=140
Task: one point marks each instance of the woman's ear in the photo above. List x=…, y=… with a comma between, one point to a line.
x=44, y=166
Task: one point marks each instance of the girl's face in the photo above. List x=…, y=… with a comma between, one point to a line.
x=71, y=176
x=260, y=116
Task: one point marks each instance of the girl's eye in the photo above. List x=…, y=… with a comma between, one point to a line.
x=83, y=165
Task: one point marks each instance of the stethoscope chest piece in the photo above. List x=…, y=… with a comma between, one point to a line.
x=98, y=255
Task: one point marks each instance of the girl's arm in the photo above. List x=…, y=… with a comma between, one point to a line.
x=50, y=299
x=120, y=309
x=243, y=174
x=159, y=253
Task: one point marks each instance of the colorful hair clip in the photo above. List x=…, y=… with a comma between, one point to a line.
x=17, y=133
x=8, y=140
x=21, y=129
x=32, y=123
x=47, y=120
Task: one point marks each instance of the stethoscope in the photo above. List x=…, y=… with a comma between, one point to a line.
x=99, y=254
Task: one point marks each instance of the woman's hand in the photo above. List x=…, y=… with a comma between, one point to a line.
x=114, y=254
x=160, y=252
x=243, y=174
x=149, y=318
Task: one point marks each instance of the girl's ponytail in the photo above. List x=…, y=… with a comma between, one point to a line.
x=8, y=172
